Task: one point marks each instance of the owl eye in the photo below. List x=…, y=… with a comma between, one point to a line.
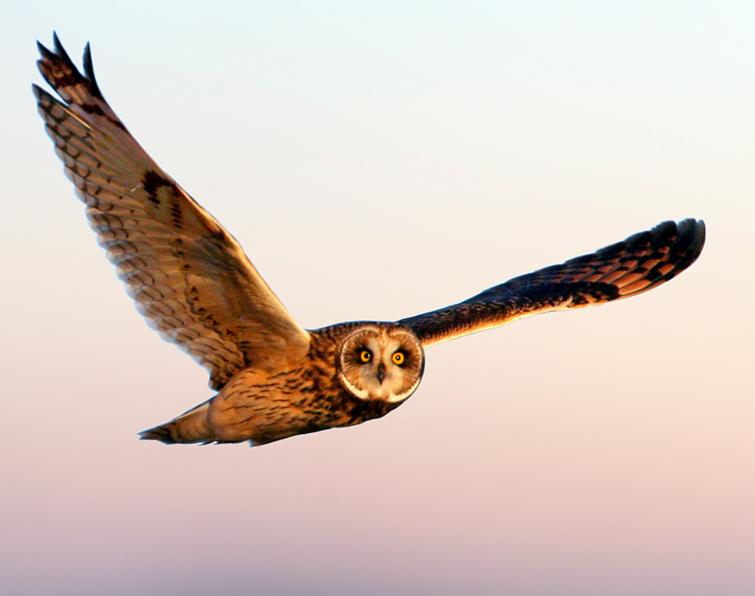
x=399, y=358
x=365, y=356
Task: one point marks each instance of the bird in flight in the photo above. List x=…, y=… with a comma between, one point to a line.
x=195, y=285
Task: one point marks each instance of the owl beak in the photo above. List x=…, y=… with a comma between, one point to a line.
x=381, y=372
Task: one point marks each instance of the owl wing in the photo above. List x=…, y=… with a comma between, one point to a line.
x=189, y=277
x=627, y=268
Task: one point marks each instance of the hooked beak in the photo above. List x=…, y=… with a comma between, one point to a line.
x=381, y=372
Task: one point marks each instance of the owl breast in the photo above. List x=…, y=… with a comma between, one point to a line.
x=262, y=406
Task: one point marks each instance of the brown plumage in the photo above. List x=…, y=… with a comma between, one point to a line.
x=194, y=284
x=187, y=274
x=266, y=406
x=627, y=268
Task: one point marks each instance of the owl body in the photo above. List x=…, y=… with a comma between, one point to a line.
x=261, y=406
x=195, y=285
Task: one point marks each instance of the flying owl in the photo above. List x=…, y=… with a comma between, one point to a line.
x=273, y=379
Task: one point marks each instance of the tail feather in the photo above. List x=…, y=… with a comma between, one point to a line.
x=189, y=427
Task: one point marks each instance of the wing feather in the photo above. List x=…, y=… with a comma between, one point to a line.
x=188, y=276
x=639, y=263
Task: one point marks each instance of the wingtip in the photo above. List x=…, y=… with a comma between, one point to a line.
x=44, y=51
x=692, y=237
x=89, y=70
x=692, y=230
x=57, y=68
x=41, y=96
x=684, y=240
x=702, y=230
x=699, y=225
x=61, y=52
x=57, y=44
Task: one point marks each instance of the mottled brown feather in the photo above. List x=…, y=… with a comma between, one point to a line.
x=188, y=275
x=194, y=284
x=262, y=406
x=639, y=263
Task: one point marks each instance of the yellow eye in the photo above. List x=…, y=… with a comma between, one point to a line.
x=365, y=356
x=398, y=358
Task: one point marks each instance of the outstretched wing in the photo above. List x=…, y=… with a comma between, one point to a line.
x=627, y=268
x=188, y=275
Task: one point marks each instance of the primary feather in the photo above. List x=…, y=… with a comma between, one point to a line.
x=639, y=263
x=188, y=275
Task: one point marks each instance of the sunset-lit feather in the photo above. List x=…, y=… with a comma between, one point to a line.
x=188, y=275
x=194, y=284
x=639, y=263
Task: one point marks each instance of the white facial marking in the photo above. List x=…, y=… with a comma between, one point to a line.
x=402, y=396
x=380, y=378
x=360, y=393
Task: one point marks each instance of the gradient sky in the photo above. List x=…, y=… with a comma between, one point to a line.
x=375, y=162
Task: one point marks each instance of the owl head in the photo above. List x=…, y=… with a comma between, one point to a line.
x=381, y=363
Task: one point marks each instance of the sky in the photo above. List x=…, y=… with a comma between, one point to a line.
x=377, y=160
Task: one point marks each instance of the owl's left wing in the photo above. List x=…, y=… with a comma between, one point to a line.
x=189, y=277
x=639, y=263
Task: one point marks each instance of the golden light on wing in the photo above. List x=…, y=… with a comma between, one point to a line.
x=194, y=284
x=188, y=276
x=627, y=268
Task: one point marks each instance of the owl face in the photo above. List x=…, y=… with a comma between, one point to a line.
x=381, y=363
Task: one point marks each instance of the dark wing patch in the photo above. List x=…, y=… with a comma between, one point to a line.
x=627, y=268
x=188, y=275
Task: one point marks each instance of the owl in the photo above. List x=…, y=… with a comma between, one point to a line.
x=195, y=285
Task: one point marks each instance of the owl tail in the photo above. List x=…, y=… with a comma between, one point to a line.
x=189, y=427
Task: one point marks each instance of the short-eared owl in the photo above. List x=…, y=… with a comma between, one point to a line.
x=192, y=281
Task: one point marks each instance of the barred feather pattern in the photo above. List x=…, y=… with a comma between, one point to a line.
x=639, y=263
x=188, y=276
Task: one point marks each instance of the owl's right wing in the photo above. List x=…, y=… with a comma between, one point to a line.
x=187, y=274
x=639, y=263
